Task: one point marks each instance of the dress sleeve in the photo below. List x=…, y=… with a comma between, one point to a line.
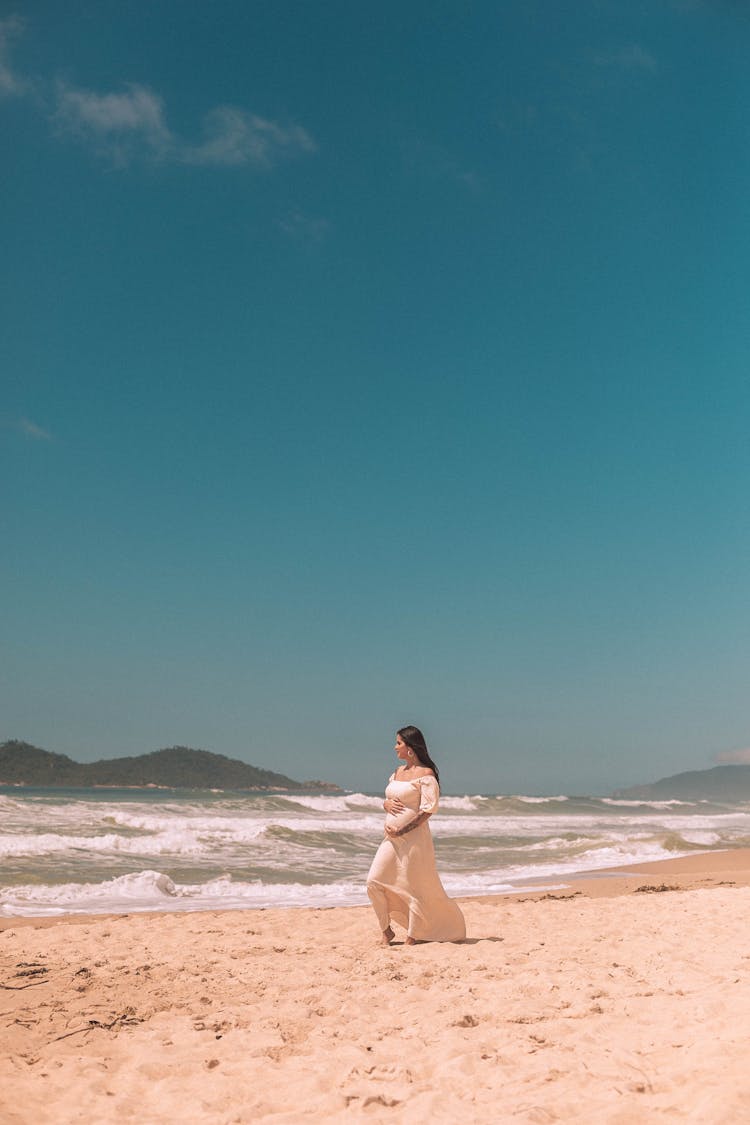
x=430, y=792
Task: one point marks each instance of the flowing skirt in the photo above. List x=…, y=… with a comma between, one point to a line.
x=404, y=887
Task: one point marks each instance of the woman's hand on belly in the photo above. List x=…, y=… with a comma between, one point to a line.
x=401, y=829
x=394, y=806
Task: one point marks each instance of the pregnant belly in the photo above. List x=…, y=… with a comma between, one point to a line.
x=400, y=820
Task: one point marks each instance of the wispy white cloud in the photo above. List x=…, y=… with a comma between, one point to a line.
x=298, y=225
x=131, y=123
x=630, y=57
x=10, y=82
x=119, y=124
x=30, y=430
x=734, y=757
x=234, y=136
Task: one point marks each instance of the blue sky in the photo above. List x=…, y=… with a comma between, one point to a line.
x=365, y=365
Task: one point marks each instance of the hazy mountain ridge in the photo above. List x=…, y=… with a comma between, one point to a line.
x=721, y=783
x=175, y=767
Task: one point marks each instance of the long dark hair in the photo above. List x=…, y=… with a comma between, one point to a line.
x=414, y=739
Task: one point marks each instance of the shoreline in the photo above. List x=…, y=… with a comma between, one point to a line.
x=596, y=1002
x=701, y=870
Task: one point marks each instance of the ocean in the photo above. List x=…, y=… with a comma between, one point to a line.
x=66, y=851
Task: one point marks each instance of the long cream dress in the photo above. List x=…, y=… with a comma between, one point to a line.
x=403, y=883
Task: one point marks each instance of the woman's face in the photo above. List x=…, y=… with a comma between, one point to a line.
x=402, y=750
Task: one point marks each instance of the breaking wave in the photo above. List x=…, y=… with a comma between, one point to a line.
x=64, y=851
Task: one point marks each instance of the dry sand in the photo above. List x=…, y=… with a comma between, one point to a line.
x=599, y=1003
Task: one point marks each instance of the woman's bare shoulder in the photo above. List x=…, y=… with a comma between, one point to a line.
x=414, y=775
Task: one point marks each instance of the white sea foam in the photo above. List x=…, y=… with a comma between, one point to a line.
x=207, y=825
x=364, y=801
x=539, y=800
x=144, y=834
x=245, y=827
x=153, y=890
x=355, y=801
x=315, y=849
x=623, y=804
x=462, y=804
x=344, y=804
x=613, y=855
x=472, y=886
x=703, y=839
x=158, y=836
x=322, y=804
x=174, y=843
x=714, y=822
x=555, y=843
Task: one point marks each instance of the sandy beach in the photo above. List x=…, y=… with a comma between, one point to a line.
x=621, y=998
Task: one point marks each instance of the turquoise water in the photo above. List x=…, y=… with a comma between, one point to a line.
x=67, y=850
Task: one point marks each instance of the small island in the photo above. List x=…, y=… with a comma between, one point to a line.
x=175, y=767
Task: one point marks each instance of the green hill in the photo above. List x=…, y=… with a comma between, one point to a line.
x=176, y=767
x=722, y=783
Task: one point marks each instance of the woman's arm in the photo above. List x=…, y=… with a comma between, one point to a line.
x=428, y=802
x=420, y=818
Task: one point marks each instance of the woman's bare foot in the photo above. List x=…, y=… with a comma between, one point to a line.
x=410, y=941
x=388, y=936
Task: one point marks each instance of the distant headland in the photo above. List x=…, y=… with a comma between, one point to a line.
x=176, y=767
x=720, y=783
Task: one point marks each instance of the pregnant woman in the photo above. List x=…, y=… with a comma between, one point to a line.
x=403, y=883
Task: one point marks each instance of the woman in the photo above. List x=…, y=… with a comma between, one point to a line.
x=403, y=883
